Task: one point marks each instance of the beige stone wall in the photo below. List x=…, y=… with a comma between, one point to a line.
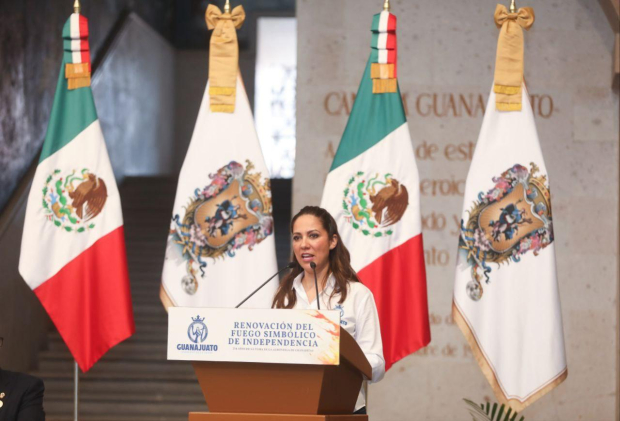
x=446, y=62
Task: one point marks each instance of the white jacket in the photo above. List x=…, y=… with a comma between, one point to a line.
x=358, y=316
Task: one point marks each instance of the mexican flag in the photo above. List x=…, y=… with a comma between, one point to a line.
x=73, y=246
x=221, y=244
x=372, y=190
x=506, y=298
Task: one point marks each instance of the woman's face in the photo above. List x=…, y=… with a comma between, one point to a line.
x=311, y=242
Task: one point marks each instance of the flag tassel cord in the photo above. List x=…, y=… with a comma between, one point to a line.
x=76, y=380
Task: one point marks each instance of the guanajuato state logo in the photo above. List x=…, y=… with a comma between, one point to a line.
x=72, y=200
x=232, y=212
x=373, y=203
x=510, y=220
x=197, y=330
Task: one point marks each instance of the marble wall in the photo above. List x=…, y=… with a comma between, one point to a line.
x=446, y=62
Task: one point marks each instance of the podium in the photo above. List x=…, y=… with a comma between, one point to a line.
x=254, y=386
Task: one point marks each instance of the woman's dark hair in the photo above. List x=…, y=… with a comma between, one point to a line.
x=339, y=262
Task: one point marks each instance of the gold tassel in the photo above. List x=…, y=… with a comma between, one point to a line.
x=78, y=75
x=507, y=90
x=509, y=59
x=222, y=90
x=381, y=71
x=383, y=86
x=222, y=108
x=223, y=57
x=508, y=106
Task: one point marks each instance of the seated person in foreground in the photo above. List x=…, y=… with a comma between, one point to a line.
x=21, y=396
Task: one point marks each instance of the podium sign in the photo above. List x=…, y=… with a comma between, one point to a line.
x=254, y=335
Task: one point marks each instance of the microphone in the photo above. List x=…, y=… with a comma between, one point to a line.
x=316, y=285
x=291, y=265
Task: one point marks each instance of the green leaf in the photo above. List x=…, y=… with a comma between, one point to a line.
x=351, y=180
x=501, y=411
x=44, y=190
x=57, y=223
x=378, y=234
x=355, y=225
x=360, y=173
x=346, y=191
x=68, y=229
x=81, y=229
x=91, y=226
x=365, y=232
x=44, y=204
x=389, y=232
x=48, y=179
x=56, y=172
x=476, y=411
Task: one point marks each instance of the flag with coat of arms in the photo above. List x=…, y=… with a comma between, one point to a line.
x=73, y=244
x=221, y=242
x=506, y=298
x=372, y=190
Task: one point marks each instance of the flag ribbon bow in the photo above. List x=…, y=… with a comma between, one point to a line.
x=509, y=61
x=223, y=57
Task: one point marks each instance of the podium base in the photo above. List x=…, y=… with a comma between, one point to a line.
x=220, y=416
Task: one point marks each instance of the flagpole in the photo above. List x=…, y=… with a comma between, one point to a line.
x=513, y=7
x=76, y=379
x=227, y=7
x=386, y=5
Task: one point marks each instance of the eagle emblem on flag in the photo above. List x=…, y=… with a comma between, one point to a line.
x=508, y=221
x=232, y=212
x=373, y=203
x=73, y=199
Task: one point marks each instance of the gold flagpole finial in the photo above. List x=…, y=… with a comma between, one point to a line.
x=227, y=7
x=76, y=6
x=513, y=8
x=386, y=5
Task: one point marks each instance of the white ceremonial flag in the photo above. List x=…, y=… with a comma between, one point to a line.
x=221, y=244
x=506, y=298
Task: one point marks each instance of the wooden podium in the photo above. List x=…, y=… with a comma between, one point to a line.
x=239, y=391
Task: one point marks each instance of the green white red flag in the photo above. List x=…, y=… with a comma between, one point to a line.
x=372, y=190
x=73, y=246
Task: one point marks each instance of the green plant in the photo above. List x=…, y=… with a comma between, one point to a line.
x=487, y=412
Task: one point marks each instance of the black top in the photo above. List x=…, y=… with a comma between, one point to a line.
x=23, y=397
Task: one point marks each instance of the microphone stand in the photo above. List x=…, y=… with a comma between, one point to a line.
x=316, y=285
x=289, y=266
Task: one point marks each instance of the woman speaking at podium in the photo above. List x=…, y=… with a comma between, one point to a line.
x=316, y=242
